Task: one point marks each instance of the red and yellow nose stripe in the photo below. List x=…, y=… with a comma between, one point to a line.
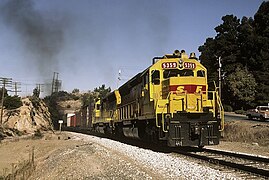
x=190, y=89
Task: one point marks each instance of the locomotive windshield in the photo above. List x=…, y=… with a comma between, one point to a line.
x=200, y=73
x=176, y=72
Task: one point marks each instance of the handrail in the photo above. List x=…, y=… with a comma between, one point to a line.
x=221, y=111
x=218, y=108
x=184, y=105
x=214, y=106
x=163, y=123
x=168, y=96
x=157, y=123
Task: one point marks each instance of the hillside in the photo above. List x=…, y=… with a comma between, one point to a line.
x=27, y=119
x=67, y=106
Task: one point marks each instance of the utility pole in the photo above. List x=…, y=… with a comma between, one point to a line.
x=53, y=82
x=56, y=83
x=16, y=87
x=220, y=77
x=38, y=86
x=5, y=83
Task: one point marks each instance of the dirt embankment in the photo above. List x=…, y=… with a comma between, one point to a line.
x=246, y=132
x=20, y=156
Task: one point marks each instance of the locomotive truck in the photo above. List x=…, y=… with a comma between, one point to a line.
x=168, y=102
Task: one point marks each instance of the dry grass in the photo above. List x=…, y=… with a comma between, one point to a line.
x=239, y=131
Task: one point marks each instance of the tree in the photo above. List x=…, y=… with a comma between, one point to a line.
x=52, y=103
x=36, y=92
x=246, y=40
x=12, y=102
x=75, y=91
x=209, y=59
x=226, y=42
x=243, y=44
x=5, y=93
x=242, y=86
x=88, y=98
x=102, y=91
x=261, y=52
x=91, y=96
x=225, y=46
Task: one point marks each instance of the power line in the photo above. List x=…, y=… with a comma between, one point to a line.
x=16, y=87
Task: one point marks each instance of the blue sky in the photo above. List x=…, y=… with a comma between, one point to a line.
x=88, y=41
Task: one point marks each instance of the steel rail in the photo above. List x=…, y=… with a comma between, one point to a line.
x=242, y=167
x=238, y=155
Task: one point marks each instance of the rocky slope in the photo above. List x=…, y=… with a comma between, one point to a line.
x=27, y=119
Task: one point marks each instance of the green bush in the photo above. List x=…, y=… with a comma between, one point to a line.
x=227, y=108
x=76, y=98
x=12, y=102
x=38, y=134
x=35, y=101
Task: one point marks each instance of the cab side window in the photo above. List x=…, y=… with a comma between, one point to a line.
x=155, y=77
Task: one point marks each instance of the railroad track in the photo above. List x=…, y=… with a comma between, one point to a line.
x=257, y=166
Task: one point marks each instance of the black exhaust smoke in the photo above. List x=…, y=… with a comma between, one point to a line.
x=42, y=38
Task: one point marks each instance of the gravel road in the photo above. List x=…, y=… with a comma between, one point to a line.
x=100, y=158
x=230, y=116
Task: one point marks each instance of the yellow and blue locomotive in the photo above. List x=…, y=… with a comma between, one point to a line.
x=169, y=102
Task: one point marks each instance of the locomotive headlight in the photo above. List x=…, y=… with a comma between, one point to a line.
x=196, y=130
x=180, y=63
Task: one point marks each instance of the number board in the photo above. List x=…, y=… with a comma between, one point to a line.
x=169, y=65
x=189, y=65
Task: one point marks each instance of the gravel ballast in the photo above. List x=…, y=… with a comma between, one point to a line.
x=155, y=164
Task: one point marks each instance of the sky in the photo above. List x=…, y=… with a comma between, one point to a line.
x=89, y=41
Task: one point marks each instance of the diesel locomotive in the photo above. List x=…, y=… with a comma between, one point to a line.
x=168, y=102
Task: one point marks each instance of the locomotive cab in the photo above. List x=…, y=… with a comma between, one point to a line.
x=181, y=81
